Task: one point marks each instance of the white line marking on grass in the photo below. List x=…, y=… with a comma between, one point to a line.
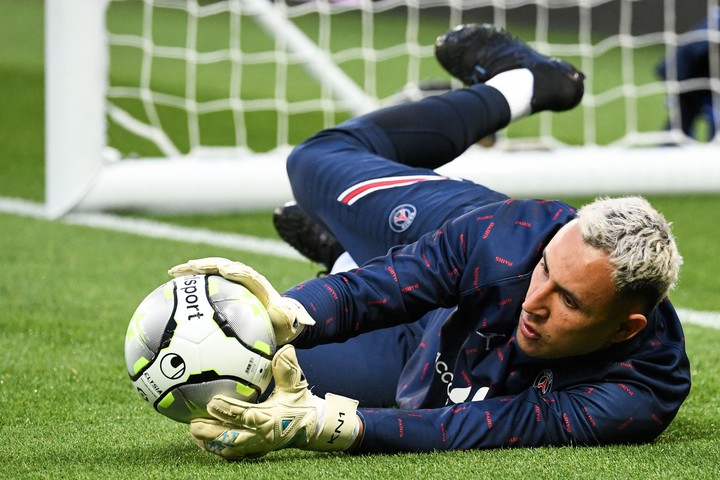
x=149, y=228
x=21, y=207
x=704, y=319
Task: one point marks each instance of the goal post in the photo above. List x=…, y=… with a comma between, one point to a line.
x=75, y=81
x=194, y=105
x=83, y=172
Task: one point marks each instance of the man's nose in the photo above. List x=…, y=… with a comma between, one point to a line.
x=536, y=302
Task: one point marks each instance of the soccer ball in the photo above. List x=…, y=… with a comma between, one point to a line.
x=195, y=337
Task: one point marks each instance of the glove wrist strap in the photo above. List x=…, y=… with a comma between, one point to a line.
x=340, y=428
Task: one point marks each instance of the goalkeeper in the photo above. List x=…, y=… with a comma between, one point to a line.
x=476, y=320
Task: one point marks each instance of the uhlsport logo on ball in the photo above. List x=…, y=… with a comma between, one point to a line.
x=195, y=337
x=172, y=366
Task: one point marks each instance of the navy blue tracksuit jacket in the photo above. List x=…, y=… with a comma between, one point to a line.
x=424, y=332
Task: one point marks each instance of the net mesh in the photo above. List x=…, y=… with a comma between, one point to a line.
x=191, y=77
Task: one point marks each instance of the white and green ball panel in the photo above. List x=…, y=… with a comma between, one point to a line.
x=196, y=337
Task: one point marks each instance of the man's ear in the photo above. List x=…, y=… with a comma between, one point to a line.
x=630, y=327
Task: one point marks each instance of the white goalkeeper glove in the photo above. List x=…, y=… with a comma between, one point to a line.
x=291, y=417
x=287, y=315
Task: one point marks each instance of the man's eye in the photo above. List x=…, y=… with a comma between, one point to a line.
x=569, y=301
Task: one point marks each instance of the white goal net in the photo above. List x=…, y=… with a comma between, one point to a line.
x=193, y=105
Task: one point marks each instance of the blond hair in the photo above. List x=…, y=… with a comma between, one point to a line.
x=639, y=242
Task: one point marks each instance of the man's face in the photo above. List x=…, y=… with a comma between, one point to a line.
x=571, y=307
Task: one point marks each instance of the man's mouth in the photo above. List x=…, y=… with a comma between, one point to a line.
x=526, y=330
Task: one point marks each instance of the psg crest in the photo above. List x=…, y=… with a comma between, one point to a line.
x=402, y=217
x=544, y=381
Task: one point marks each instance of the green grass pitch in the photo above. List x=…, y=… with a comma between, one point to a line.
x=67, y=408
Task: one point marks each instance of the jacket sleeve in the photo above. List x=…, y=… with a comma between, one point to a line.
x=588, y=415
x=390, y=290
